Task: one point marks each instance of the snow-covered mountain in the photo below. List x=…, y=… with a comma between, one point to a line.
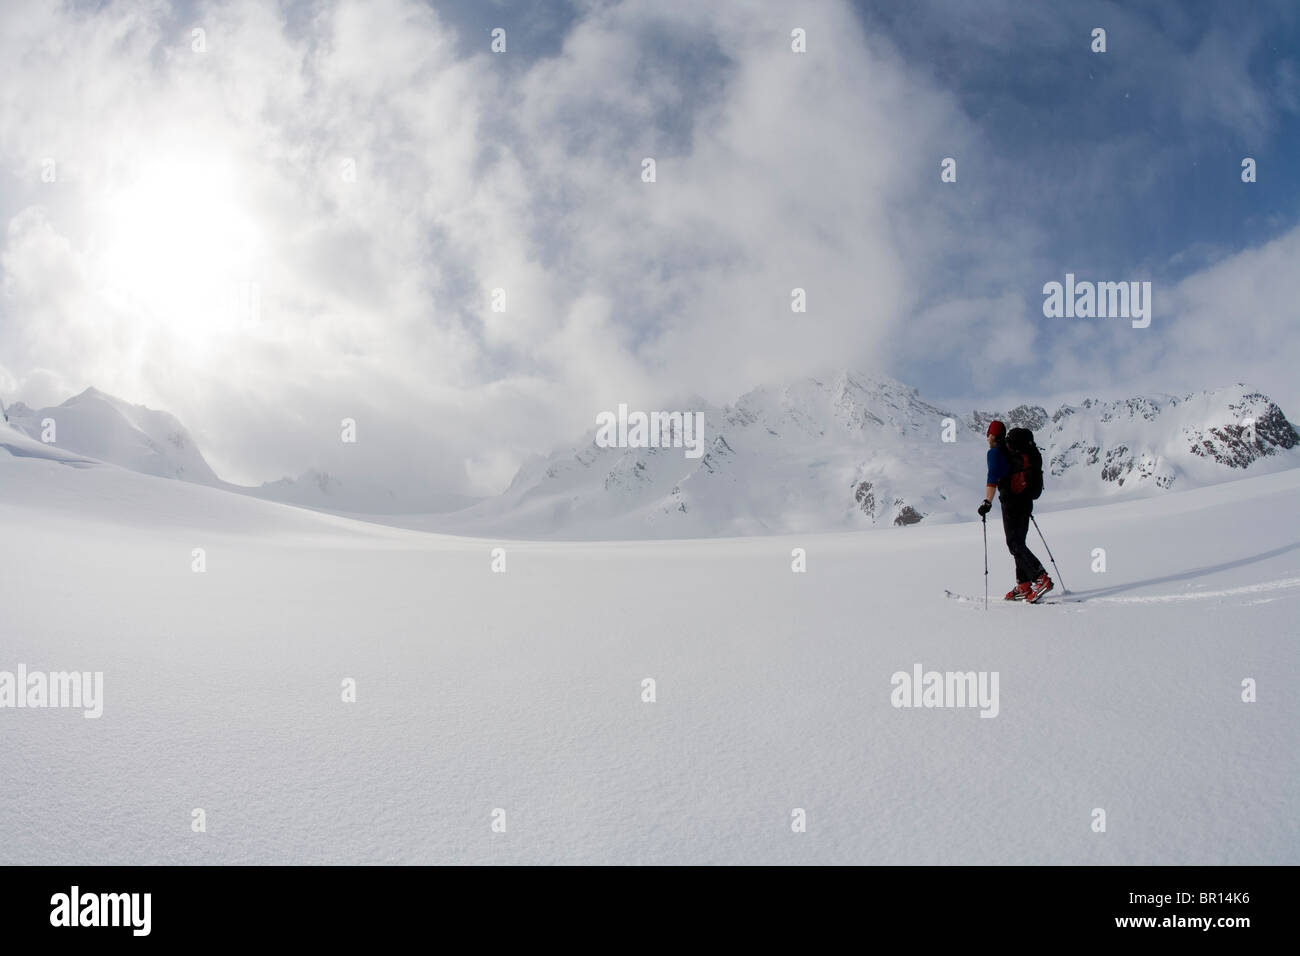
x=853, y=452
x=845, y=452
x=98, y=426
x=354, y=493
x=108, y=429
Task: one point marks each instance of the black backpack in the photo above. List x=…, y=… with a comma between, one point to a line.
x=1026, y=464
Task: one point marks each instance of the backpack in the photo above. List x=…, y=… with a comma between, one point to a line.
x=1026, y=464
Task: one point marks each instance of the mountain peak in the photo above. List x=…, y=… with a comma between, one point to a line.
x=101, y=426
x=90, y=392
x=848, y=450
x=845, y=450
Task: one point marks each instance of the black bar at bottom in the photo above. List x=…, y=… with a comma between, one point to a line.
x=335, y=904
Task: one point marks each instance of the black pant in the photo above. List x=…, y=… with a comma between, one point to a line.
x=1015, y=522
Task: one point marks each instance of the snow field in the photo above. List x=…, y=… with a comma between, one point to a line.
x=523, y=690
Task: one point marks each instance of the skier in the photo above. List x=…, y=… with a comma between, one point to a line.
x=1032, y=581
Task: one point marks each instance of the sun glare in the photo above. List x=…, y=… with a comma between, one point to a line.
x=178, y=252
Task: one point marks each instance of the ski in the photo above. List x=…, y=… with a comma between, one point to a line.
x=1064, y=597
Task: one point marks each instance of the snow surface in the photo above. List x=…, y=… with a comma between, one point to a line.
x=522, y=690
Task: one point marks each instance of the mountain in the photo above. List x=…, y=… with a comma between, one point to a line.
x=840, y=453
x=99, y=426
x=852, y=452
x=1199, y=439
x=353, y=493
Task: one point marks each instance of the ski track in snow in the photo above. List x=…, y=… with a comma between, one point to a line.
x=1083, y=597
x=1194, y=595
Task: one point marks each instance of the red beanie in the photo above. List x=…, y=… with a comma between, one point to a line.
x=996, y=429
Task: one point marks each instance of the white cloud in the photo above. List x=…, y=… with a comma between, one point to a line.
x=775, y=170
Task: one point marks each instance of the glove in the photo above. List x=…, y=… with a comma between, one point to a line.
x=985, y=508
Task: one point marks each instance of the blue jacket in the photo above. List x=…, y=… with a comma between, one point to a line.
x=999, y=465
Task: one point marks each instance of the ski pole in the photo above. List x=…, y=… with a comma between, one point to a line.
x=985, y=523
x=1064, y=589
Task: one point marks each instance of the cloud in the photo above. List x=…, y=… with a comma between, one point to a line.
x=394, y=184
x=368, y=177
x=1236, y=320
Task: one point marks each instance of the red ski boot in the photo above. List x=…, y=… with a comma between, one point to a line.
x=1020, y=592
x=1041, y=586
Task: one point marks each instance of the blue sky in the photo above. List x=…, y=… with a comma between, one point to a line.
x=1128, y=162
x=188, y=176
x=1159, y=123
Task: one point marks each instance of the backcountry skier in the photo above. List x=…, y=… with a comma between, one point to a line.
x=1006, y=472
